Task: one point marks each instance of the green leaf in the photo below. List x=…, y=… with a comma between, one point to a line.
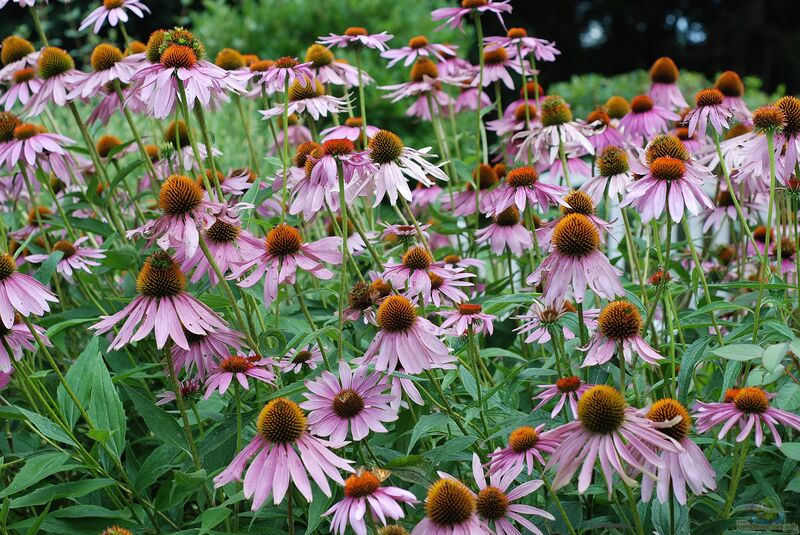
x=791, y=450
x=794, y=485
x=213, y=517
x=36, y=469
x=787, y=397
x=70, y=490
x=469, y=382
x=316, y=509
x=45, y=272
x=47, y=427
x=773, y=355
x=124, y=172
x=160, y=461
x=163, y=426
x=694, y=354
x=425, y=425
x=77, y=378
x=66, y=324
x=34, y=529
x=739, y=352
x=105, y=407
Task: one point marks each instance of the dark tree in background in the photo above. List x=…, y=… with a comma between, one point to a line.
x=754, y=37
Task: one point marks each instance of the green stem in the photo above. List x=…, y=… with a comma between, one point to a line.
x=560, y=507
x=699, y=268
x=248, y=136
x=738, y=467
x=38, y=24
x=343, y=279
x=634, y=511
x=765, y=256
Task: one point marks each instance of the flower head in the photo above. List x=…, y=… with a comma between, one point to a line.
x=115, y=12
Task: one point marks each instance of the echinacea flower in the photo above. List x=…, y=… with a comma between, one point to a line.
x=496, y=62
x=444, y=289
x=540, y=320
x=356, y=37
x=467, y=317
x=20, y=293
x=364, y=493
x=115, y=12
x=558, y=127
x=16, y=338
x=469, y=98
x=352, y=129
x=184, y=213
x=645, y=120
x=282, y=433
x=449, y=510
x=405, y=339
x=16, y=54
x=664, y=89
x=671, y=181
x=363, y=297
x=724, y=209
x=479, y=195
x=525, y=444
x=619, y=326
x=238, y=368
x=453, y=16
x=749, y=409
x=24, y=85
x=75, y=257
x=328, y=70
x=541, y=49
x=605, y=134
x=204, y=349
x=522, y=188
x=506, y=231
x=282, y=73
x=412, y=273
x=732, y=88
x=613, y=176
x=575, y=262
x=357, y=401
x=33, y=145
x=109, y=65
x=515, y=119
x=393, y=162
x=56, y=68
x=688, y=467
x=495, y=505
x=188, y=389
x=307, y=95
x=299, y=359
x=163, y=305
x=610, y=431
x=417, y=47
x=710, y=108
x=279, y=256
x=567, y=389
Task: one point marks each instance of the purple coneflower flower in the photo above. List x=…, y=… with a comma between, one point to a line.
x=540, y=319
x=412, y=273
x=14, y=339
x=496, y=62
x=575, y=262
x=299, y=359
x=75, y=257
x=506, y=231
x=710, y=107
x=56, y=68
x=205, y=348
x=280, y=73
x=619, y=324
x=453, y=16
x=110, y=105
x=17, y=54
x=467, y=316
x=732, y=88
x=613, y=178
x=447, y=289
x=188, y=388
x=24, y=85
x=542, y=50
x=33, y=145
x=238, y=368
x=450, y=509
x=328, y=70
x=279, y=256
x=565, y=389
x=108, y=65
x=281, y=433
x=664, y=90
x=724, y=209
x=470, y=98
x=307, y=95
x=645, y=120
x=515, y=119
x=749, y=409
x=163, y=305
x=605, y=426
x=417, y=47
x=115, y=11
x=363, y=298
x=495, y=503
x=358, y=401
x=20, y=293
x=405, y=339
x=522, y=187
x=525, y=444
x=557, y=127
x=605, y=134
x=688, y=467
x=352, y=129
x=357, y=37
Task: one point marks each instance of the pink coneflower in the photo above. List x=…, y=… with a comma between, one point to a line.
x=495, y=503
x=724, y=210
x=394, y=162
x=75, y=257
x=567, y=389
x=405, y=339
x=279, y=256
x=24, y=85
x=115, y=12
x=558, y=126
x=467, y=316
x=184, y=212
x=417, y=47
x=421, y=108
x=450, y=510
x=412, y=273
x=299, y=359
x=788, y=252
x=364, y=493
x=16, y=338
x=619, y=324
x=664, y=90
x=307, y=95
x=540, y=319
x=20, y=3
x=645, y=120
x=448, y=289
x=205, y=348
x=56, y=68
x=356, y=37
x=542, y=50
x=358, y=401
x=282, y=71
x=5, y=378
x=749, y=409
x=188, y=388
x=605, y=134
x=33, y=145
x=607, y=429
x=515, y=119
x=181, y=58
x=364, y=296
x=577, y=168
x=710, y=107
x=281, y=434
x=404, y=231
x=108, y=65
x=163, y=305
x=238, y=368
x=324, y=165
x=496, y=62
x=352, y=129
x=17, y=53
x=689, y=466
x=20, y=293
x=613, y=178
x=453, y=16
x=575, y=262
x=522, y=188
x=670, y=181
x=732, y=88
x=506, y=231
x=110, y=105
x=525, y=444
x=470, y=98
x=697, y=144
x=328, y=70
